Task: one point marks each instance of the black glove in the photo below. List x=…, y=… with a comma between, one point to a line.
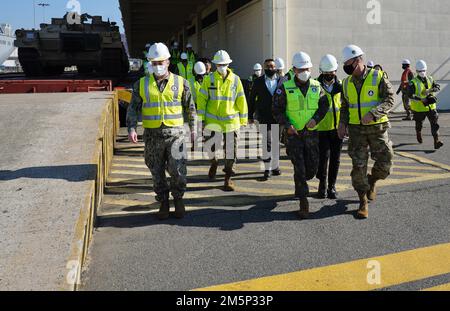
x=431, y=100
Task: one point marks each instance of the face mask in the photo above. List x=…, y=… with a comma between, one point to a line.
x=405, y=66
x=304, y=76
x=328, y=77
x=349, y=69
x=423, y=74
x=270, y=73
x=258, y=73
x=222, y=70
x=160, y=70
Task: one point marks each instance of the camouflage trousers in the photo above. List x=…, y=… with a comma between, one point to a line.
x=432, y=116
x=373, y=138
x=405, y=100
x=165, y=150
x=230, y=142
x=303, y=150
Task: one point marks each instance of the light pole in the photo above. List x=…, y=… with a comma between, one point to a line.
x=34, y=13
x=43, y=5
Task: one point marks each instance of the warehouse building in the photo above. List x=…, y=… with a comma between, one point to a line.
x=251, y=31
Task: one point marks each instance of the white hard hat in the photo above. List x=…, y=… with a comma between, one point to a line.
x=279, y=63
x=351, y=51
x=370, y=64
x=200, y=68
x=328, y=63
x=421, y=65
x=184, y=56
x=302, y=60
x=222, y=58
x=189, y=45
x=158, y=52
x=147, y=46
x=176, y=44
x=257, y=67
x=406, y=62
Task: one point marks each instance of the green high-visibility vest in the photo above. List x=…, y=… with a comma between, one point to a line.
x=331, y=120
x=300, y=109
x=362, y=103
x=195, y=88
x=421, y=89
x=185, y=72
x=161, y=108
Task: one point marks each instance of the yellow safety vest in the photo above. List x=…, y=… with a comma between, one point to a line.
x=195, y=89
x=162, y=108
x=191, y=57
x=331, y=120
x=222, y=104
x=417, y=105
x=301, y=109
x=368, y=98
x=185, y=72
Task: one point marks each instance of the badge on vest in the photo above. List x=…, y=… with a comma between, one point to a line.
x=279, y=91
x=174, y=88
x=314, y=89
x=371, y=93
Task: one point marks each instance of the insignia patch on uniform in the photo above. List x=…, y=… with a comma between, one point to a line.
x=279, y=92
x=314, y=89
x=371, y=93
x=174, y=88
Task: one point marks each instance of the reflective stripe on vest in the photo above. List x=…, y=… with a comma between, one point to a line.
x=220, y=108
x=331, y=120
x=301, y=109
x=161, y=108
x=362, y=103
x=421, y=88
x=185, y=72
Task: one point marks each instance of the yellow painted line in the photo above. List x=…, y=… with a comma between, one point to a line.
x=440, y=288
x=424, y=177
x=423, y=160
x=395, y=269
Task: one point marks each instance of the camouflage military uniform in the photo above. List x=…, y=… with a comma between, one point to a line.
x=160, y=143
x=363, y=138
x=303, y=150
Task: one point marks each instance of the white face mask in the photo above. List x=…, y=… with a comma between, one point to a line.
x=258, y=73
x=304, y=76
x=222, y=70
x=160, y=70
x=423, y=74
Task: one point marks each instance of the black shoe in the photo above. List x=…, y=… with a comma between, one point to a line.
x=276, y=172
x=267, y=174
x=331, y=193
x=321, y=193
x=180, y=209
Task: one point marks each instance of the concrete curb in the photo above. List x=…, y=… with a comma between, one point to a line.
x=102, y=158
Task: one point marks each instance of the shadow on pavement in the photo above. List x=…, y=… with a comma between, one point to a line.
x=72, y=173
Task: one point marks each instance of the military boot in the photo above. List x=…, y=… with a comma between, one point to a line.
x=419, y=137
x=229, y=185
x=363, y=211
x=437, y=143
x=321, y=194
x=164, y=210
x=180, y=209
x=213, y=169
x=303, y=213
x=372, y=193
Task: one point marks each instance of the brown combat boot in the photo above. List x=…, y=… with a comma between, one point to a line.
x=213, y=169
x=163, y=210
x=372, y=193
x=363, y=211
x=303, y=213
x=180, y=210
x=229, y=185
x=437, y=143
x=419, y=137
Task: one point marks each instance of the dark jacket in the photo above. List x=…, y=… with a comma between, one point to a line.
x=260, y=102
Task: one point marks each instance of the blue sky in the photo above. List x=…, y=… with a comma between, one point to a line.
x=19, y=13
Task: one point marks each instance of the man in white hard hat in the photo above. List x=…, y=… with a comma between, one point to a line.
x=422, y=91
x=175, y=53
x=197, y=80
x=407, y=76
x=190, y=53
x=279, y=64
x=162, y=98
x=330, y=145
x=298, y=108
x=257, y=72
x=260, y=109
x=185, y=67
x=370, y=64
x=367, y=98
x=222, y=107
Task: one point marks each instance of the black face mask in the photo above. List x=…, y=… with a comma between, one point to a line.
x=270, y=73
x=349, y=69
x=405, y=67
x=328, y=77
